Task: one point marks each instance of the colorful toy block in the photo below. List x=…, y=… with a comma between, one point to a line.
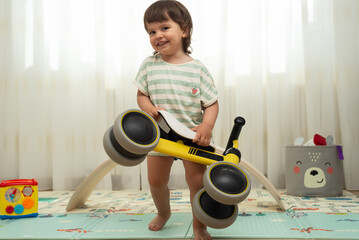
x=18, y=198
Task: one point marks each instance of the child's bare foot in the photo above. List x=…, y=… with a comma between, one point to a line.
x=201, y=233
x=158, y=222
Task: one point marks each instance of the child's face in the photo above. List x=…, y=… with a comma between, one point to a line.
x=166, y=37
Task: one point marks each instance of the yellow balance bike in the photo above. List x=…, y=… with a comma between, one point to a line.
x=135, y=133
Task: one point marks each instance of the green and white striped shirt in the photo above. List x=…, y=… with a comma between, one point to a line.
x=182, y=89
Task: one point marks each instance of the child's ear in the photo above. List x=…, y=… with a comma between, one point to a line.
x=184, y=32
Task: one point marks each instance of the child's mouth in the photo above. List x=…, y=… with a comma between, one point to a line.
x=162, y=43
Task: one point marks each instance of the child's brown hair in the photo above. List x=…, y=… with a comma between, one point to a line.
x=163, y=9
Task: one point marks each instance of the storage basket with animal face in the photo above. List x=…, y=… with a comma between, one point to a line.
x=313, y=171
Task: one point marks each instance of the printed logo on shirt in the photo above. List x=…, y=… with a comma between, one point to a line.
x=195, y=91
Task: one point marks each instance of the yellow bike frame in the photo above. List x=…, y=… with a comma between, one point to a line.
x=178, y=149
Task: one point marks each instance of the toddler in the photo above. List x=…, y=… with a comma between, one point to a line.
x=172, y=80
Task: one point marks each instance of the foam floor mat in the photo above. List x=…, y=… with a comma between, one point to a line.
x=126, y=214
x=134, y=226
x=131, y=201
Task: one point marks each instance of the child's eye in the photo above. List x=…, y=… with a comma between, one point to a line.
x=165, y=28
x=151, y=32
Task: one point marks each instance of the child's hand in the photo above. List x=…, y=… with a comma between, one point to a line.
x=204, y=134
x=153, y=111
x=144, y=102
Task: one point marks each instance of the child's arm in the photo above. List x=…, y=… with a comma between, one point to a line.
x=144, y=102
x=204, y=130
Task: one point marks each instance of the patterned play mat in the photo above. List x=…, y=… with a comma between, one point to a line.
x=125, y=215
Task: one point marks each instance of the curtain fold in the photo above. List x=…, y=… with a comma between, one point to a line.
x=290, y=68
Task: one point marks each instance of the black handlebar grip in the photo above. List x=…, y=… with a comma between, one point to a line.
x=236, y=130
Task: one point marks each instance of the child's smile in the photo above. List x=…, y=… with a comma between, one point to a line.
x=161, y=44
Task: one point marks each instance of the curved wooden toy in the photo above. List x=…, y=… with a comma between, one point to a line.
x=86, y=187
x=84, y=190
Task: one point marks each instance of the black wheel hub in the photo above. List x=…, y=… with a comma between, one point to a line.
x=139, y=128
x=228, y=179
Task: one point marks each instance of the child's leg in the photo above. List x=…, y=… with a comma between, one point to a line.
x=159, y=168
x=194, y=178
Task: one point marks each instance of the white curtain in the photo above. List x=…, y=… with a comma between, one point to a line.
x=289, y=67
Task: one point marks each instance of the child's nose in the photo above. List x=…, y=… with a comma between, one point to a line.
x=159, y=34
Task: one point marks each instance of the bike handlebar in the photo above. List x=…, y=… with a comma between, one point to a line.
x=239, y=122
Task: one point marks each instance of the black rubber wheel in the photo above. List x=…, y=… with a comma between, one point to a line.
x=226, y=182
x=117, y=153
x=136, y=131
x=213, y=213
